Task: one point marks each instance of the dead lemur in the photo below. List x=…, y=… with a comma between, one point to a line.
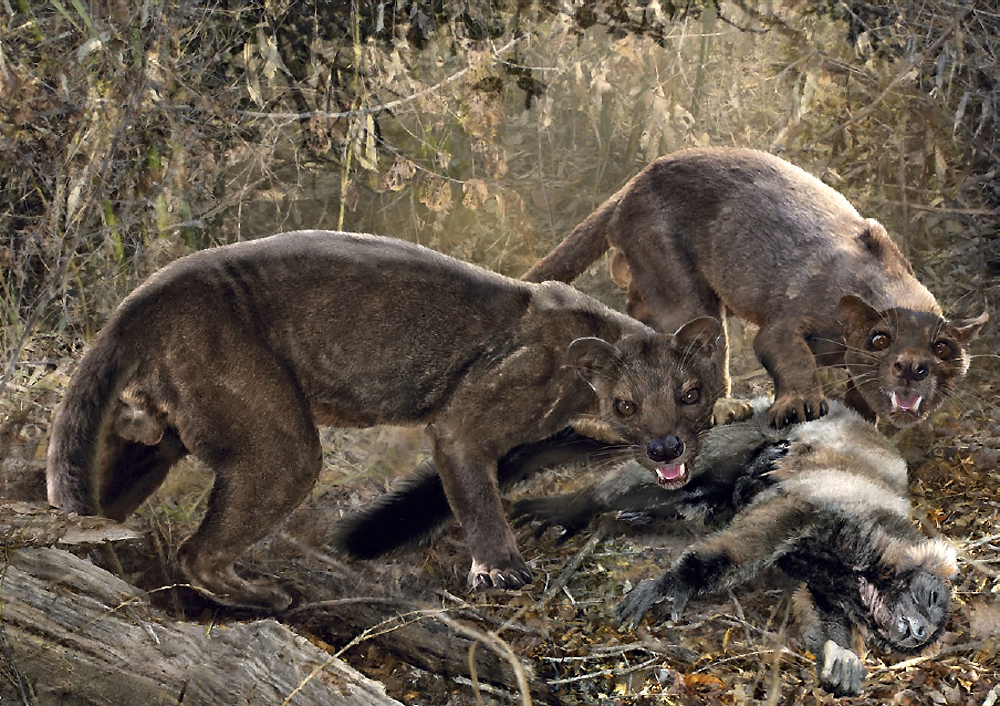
x=826, y=501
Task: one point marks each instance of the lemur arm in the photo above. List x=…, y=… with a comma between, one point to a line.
x=758, y=536
x=828, y=636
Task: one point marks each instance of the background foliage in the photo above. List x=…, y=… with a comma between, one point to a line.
x=133, y=133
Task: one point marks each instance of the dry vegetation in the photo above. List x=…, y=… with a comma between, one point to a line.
x=132, y=133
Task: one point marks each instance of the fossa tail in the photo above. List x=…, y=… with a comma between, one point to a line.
x=578, y=250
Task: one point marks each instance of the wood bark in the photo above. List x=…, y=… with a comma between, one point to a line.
x=76, y=635
x=436, y=644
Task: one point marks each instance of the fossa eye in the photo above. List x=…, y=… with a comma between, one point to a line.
x=625, y=408
x=942, y=350
x=691, y=396
x=879, y=341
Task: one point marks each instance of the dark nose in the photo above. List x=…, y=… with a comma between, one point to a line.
x=915, y=627
x=666, y=449
x=912, y=370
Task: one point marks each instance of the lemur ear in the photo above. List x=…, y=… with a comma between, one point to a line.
x=935, y=556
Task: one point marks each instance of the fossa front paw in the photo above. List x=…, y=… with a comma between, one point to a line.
x=482, y=578
x=792, y=409
x=730, y=409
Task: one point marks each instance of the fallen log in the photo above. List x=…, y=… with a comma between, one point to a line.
x=75, y=635
x=103, y=624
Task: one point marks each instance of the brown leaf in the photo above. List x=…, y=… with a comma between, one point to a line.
x=703, y=681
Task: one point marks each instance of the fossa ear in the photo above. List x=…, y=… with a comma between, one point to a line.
x=620, y=273
x=590, y=356
x=855, y=314
x=966, y=330
x=703, y=332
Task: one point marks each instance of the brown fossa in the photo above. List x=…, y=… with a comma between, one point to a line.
x=706, y=232
x=236, y=353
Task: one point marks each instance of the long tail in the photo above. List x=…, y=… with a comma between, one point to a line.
x=79, y=426
x=417, y=511
x=578, y=250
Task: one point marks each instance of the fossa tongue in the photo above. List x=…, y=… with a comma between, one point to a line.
x=670, y=473
x=906, y=401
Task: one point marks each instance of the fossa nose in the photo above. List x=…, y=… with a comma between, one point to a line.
x=911, y=369
x=666, y=449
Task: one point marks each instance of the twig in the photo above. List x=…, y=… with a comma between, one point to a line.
x=961, y=551
x=468, y=609
x=572, y=566
x=606, y=672
x=991, y=698
x=981, y=541
x=774, y=689
x=382, y=628
x=473, y=675
x=24, y=689
x=561, y=581
x=488, y=688
x=604, y=653
x=754, y=653
x=313, y=606
x=384, y=107
x=491, y=639
x=943, y=652
x=742, y=618
x=769, y=20
x=941, y=209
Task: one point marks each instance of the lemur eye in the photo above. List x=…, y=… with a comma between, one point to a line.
x=625, y=408
x=879, y=341
x=942, y=350
x=691, y=396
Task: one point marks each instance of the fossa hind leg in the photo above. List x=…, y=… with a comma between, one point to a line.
x=131, y=471
x=266, y=454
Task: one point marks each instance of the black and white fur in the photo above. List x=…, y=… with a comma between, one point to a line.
x=826, y=501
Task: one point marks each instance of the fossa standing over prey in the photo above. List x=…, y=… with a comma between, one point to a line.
x=236, y=353
x=704, y=232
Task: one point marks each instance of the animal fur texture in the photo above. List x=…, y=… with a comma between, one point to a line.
x=235, y=354
x=416, y=510
x=680, y=398
x=827, y=504
x=708, y=232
